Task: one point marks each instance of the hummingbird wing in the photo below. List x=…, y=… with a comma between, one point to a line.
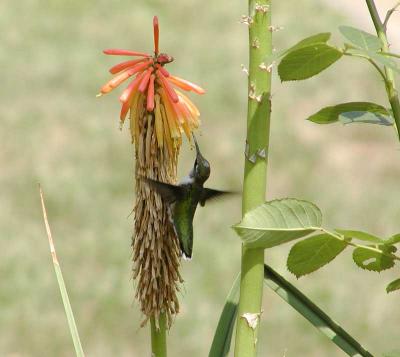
x=170, y=193
x=209, y=194
x=182, y=211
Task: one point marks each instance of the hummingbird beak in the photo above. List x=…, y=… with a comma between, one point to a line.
x=198, y=153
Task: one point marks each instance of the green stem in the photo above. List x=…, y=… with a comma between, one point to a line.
x=158, y=337
x=390, y=84
x=255, y=172
x=390, y=54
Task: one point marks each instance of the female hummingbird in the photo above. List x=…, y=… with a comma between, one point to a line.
x=184, y=198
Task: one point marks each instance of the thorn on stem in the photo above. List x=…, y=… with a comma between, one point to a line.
x=255, y=43
x=247, y=20
x=261, y=8
x=266, y=68
x=275, y=28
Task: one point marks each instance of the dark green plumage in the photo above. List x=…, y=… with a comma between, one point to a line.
x=184, y=198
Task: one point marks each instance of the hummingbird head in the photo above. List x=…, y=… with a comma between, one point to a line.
x=201, y=169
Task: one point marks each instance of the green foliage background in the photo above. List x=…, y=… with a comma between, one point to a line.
x=54, y=131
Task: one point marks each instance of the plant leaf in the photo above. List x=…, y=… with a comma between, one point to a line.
x=361, y=39
x=353, y=112
x=305, y=307
x=223, y=333
x=307, y=61
x=277, y=222
x=60, y=280
x=313, y=253
x=318, y=38
x=372, y=260
x=360, y=236
x=394, y=285
x=311, y=40
x=393, y=239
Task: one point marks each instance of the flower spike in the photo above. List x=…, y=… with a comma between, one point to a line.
x=152, y=86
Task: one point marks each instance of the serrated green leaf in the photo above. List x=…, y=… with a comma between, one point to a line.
x=318, y=38
x=277, y=222
x=313, y=253
x=361, y=38
x=307, y=61
x=354, y=110
x=223, y=333
x=314, y=39
x=373, y=260
x=394, y=285
x=364, y=236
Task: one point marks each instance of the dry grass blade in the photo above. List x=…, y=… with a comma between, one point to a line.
x=63, y=290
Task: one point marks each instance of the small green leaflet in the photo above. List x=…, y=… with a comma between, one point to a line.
x=307, y=61
x=353, y=112
x=394, y=285
x=393, y=239
x=361, y=39
x=313, y=253
x=312, y=40
x=360, y=236
x=318, y=38
x=277, y=222
x=373, y=260
x=223, y=333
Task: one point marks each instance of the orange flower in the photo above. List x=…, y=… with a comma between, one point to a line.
x=176, y=113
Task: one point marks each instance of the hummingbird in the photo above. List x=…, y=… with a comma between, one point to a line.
x=184, y=198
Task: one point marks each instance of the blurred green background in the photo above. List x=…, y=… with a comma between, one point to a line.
x=56, y=132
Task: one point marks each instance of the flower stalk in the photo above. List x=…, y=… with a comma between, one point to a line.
x=391, y=90
x=158, y=336
x=255, y=172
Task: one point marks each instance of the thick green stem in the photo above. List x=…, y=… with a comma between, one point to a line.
x=255, y=172
x=158, y=337
x=390, y=83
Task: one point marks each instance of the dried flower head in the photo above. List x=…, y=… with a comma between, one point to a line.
x=159, y=114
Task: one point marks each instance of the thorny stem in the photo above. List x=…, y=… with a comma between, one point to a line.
x=390, y=84
x=255, y=172
x=158, y=337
